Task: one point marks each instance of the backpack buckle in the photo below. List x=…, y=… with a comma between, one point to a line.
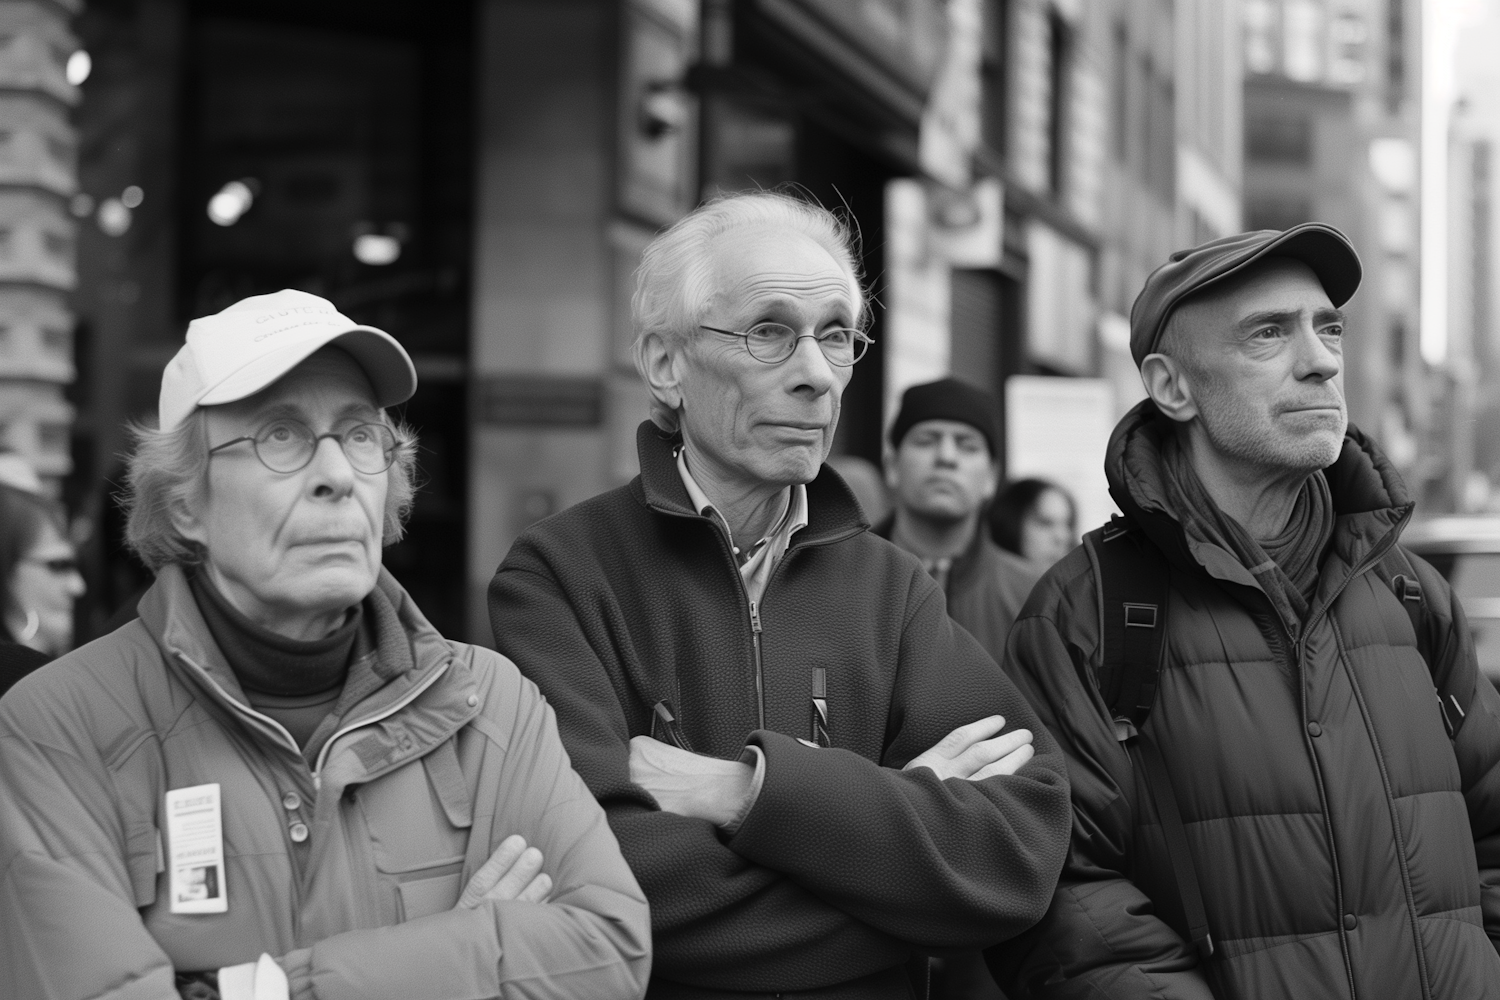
x=1140, y=615
x=1407, y=589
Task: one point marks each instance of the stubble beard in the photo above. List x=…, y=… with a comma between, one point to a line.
x=1235, y=429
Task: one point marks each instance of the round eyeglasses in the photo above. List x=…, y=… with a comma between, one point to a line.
x=773, y=343
x=289, y=445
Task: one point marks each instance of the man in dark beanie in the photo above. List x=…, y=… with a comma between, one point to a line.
x=1285, y=764
x=942, y=466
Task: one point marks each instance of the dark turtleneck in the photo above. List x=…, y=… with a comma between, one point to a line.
x=296, y=682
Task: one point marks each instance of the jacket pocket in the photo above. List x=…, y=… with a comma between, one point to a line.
x=411, y=833
x=423, y=897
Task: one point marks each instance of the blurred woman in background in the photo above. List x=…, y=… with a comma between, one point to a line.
x=1035, y=519
x=39, y=582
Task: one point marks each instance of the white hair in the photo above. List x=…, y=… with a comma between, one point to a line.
x=167, y=471
x=673, y=285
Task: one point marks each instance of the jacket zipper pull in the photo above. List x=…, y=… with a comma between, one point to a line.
x=820, y=707
x=760, y=686
x=669, y=725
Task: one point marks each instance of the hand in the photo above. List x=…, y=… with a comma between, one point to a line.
x=514, y=871
x=974, y=752
x=691, y=784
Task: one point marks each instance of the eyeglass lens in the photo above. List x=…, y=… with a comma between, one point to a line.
x=289, y=445
x=774, y=342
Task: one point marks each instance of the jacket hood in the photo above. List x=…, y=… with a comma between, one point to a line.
x=1370, y=500
x=833, y=513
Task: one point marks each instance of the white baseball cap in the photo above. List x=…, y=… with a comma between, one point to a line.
x=236, y=353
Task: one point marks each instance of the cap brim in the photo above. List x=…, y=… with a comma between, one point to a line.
x=384, y=362
x=1322, y=248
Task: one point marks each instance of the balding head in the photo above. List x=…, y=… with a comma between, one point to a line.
x=1252, y=367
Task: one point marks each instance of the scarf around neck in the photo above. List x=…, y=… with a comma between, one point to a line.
x=1286, y=566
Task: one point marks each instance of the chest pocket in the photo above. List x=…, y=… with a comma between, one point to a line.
x=419, y=817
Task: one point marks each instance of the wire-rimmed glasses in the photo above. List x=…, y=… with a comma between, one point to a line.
x=773, y=343
x=286, y=445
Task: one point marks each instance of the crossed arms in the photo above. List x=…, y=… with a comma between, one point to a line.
x=843, y=865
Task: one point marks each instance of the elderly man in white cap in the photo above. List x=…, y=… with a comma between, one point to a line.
x=280, y=781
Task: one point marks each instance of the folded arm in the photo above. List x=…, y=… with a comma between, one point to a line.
x=897, y=848
x=719, y=919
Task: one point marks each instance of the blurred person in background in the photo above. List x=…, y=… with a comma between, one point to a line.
x=1036, y=520
x=816, y=775
x=365, y=809
x=942, y=467
x=40, y=581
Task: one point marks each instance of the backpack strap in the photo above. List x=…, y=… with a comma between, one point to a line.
x=1133, y=581
x=1453, y=702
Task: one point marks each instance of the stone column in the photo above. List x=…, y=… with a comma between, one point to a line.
x=38, y=176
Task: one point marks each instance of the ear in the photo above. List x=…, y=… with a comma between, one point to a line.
x=888, y=464
x=187, y=523
x=663, y=369
x=1168, y=386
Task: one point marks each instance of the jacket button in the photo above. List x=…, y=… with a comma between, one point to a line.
x=473, y=700
x=1313, y=729
x=298, y=832
x=291, y=801
x=1350, y=921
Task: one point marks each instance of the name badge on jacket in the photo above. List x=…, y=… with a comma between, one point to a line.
x=195, y=850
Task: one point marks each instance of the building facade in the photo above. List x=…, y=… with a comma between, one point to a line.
x=38, y=182
x=480, y=177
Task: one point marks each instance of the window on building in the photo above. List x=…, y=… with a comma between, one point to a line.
x=749, y=148
x=1260, y=36
x=1284, y=139
x=1120, y=93
x=993, y=66
x=1158, y=132
x=1347, y=36
x=1395, y=54
x=1302, y=24
x=1060, y=35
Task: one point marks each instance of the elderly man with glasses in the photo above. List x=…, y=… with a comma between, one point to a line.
x=816, y=776
x=280, y=782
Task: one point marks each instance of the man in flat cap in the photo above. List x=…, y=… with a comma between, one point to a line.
x=1285, y=764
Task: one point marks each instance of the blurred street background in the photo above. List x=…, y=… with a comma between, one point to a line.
x=478, y=177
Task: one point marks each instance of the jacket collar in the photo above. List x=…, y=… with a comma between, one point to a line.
x=832, y=512
x=1370, y=500
x=407, y=652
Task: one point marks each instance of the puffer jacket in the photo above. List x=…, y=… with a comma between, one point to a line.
x=1346, y=847
x=423, y=779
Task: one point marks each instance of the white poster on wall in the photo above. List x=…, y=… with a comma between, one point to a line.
x=1058, y=429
